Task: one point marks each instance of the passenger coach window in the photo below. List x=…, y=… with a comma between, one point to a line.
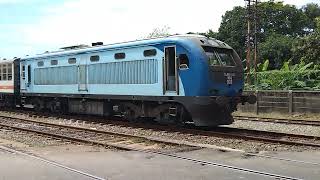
x=119, y=55
x=0, y=72
x=9, y=72
x=94, y=58
x=150, y=52
x=4, y=72
x=54, y=62
x=72, y=60
x=40, y=63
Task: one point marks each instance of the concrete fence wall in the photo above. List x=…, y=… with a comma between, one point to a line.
x=287, y=102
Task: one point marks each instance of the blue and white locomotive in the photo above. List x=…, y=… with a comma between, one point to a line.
x=174, y=79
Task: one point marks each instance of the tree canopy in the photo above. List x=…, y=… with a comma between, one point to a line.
x=288, y=44
x=159, y=32
x=284, y=32
x=276, y=17
x=312, y=11
x=233, y=29
x=277, y=49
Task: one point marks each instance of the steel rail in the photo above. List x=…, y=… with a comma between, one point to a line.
x=278, y=120
x=267, y=136
x=52, y=163
x=220, y=132
x=123, y=147
x=104, y=132
x=175, y=142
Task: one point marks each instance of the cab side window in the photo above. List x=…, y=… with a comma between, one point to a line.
x=183, y=61
x=23, y=72
x=29, y=74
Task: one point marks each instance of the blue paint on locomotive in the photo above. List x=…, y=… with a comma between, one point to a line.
x=192, y=77
x=121, y=77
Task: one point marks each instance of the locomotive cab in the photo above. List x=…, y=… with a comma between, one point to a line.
x=219, y=82
x=225, y=71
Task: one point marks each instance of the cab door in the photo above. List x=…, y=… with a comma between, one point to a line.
x=23, y=80
x=171, y=83
x=82, y=74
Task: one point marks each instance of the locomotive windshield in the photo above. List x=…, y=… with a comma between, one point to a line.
x=219, y=57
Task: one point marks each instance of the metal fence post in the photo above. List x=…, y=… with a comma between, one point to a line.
x=290, y=103
x=257, y=103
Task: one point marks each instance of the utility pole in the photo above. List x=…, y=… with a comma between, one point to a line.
x=251, y=40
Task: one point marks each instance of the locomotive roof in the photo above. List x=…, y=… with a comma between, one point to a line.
x=5, y=61
x=198, y=39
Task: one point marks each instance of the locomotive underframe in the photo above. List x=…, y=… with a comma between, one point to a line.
x=203, y=111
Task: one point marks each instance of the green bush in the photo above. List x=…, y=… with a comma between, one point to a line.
x=296, y=77
x=286, y=80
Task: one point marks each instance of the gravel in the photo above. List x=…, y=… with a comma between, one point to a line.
x=249, y=146
x=31, y=140
x=278, y=127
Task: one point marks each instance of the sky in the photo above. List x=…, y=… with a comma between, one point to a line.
x=30, y=27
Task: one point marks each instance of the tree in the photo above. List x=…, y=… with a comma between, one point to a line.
x=307, y=49
x=159, y=32
x=233, y=29
x=210, y=34
x=277, y=49
x=312, y=11
x=317, y=21
x=274, y=18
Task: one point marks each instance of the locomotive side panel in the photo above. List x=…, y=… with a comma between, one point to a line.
x=134, y=74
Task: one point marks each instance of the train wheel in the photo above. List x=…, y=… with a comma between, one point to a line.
x=54, y=108
x=164, y=118
x=129, y=115
x=173, y=114
x=169, y=115
x=38, y=105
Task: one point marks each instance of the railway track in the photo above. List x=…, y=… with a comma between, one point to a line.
x=86, y=135
x=278, y=120
x=116, y=140
x=223, y=132
x=70, y=169
x=268, y=136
